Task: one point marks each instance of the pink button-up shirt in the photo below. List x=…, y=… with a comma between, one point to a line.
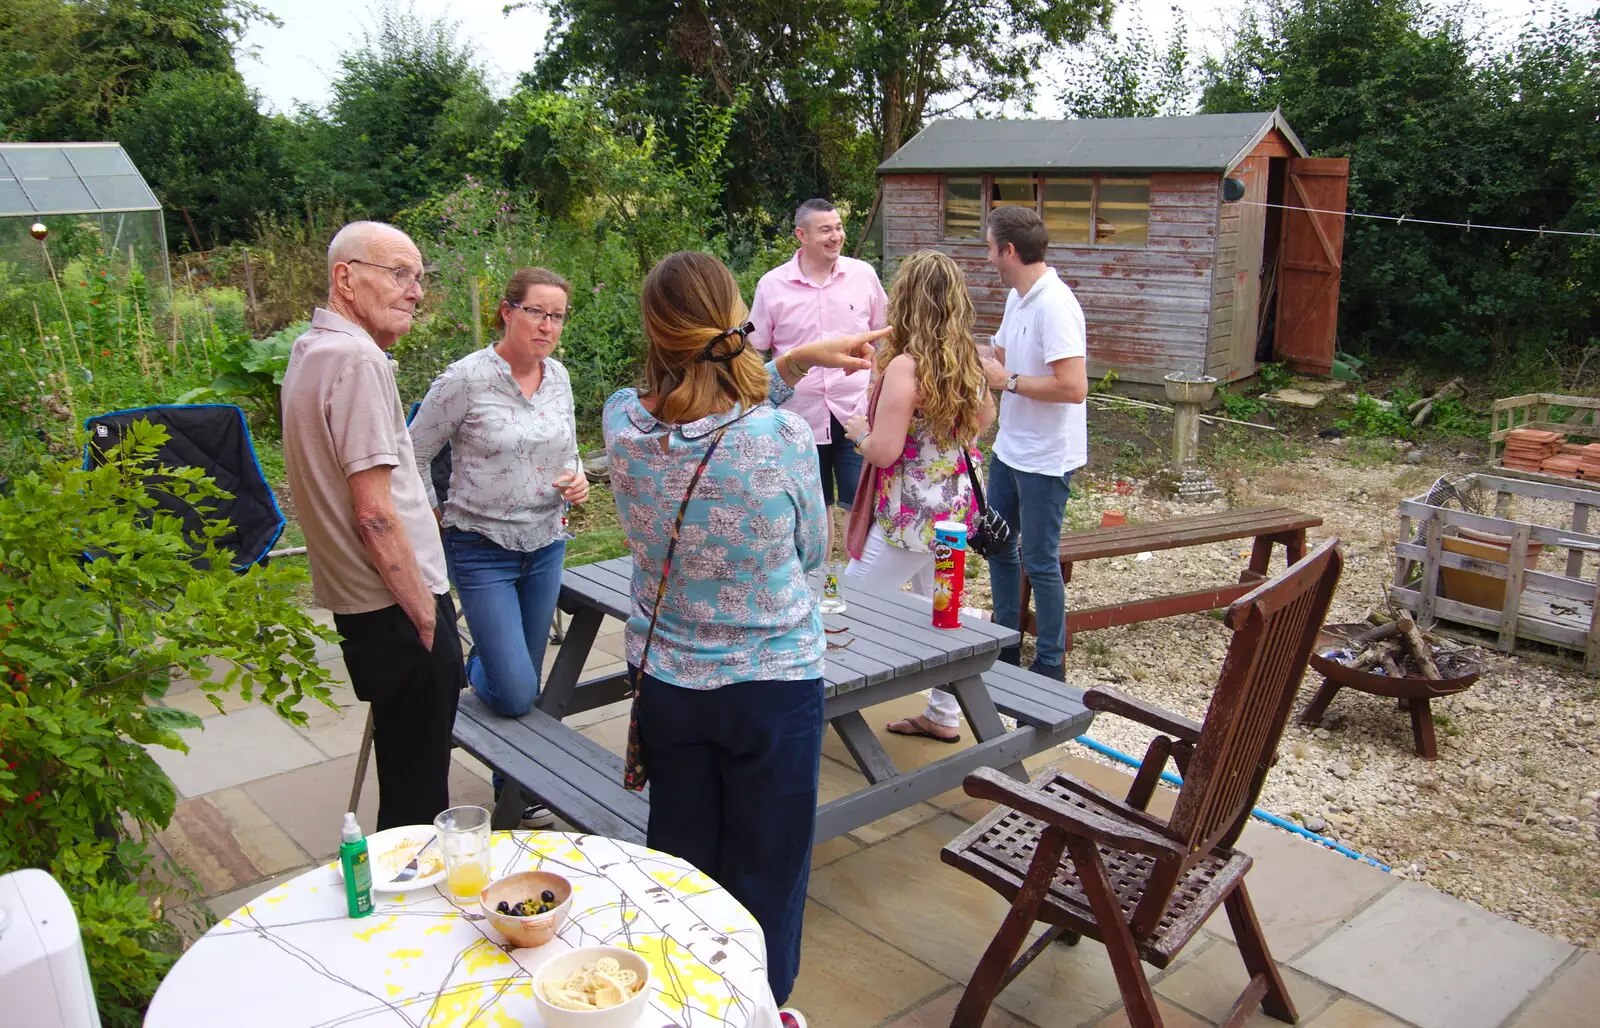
x=790, y=309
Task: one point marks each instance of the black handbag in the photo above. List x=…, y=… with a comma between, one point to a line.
x=990, y=534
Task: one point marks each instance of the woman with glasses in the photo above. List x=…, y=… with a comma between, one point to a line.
x=720, y=498
x=506, y=414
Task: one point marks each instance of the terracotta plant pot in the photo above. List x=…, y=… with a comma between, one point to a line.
x=1470, y=587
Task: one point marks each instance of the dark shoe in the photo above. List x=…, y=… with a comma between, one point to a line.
x=1056, y=672
x=537, y=816
x=1011, y=655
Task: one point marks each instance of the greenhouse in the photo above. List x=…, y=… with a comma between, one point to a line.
x=89, y=197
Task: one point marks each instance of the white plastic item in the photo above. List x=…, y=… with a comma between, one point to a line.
x=43, y=974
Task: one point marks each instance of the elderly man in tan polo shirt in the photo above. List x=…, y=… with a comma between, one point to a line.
x=376, y=558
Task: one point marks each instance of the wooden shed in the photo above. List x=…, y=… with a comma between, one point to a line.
x=1172, y=276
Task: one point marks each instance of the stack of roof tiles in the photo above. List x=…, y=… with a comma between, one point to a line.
x=1527, y=449
x=1589, y=462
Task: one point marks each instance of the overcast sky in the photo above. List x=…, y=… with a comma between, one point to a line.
x=297, y=61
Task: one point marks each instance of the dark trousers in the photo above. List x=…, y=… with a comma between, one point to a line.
x=413, y=692
x=733, y=790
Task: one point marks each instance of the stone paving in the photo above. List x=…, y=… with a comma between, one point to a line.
x=891, y=932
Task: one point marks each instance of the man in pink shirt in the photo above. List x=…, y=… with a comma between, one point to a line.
x=817, y=295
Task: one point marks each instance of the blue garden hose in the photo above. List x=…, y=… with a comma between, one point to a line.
x=1261, y=815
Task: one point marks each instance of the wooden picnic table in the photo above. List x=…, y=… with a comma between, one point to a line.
x=894, y=651
x=1267, y=526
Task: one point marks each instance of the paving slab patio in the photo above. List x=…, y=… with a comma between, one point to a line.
x=892, y=934
x=1478, y=967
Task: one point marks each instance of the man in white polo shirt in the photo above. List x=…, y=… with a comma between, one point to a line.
x=1039, y=364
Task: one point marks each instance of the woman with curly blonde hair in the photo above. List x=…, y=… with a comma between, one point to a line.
x=930, y=405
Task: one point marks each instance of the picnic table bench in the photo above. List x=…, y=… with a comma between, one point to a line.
x=1268, y=526
x=893, y=651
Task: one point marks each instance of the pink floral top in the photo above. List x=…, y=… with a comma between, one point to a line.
x=926, y=484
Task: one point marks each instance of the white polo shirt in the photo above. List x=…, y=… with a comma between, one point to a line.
x=1044, y=326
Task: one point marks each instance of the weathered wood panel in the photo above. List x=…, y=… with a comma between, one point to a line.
x=1233, y=340
x=1148, y=309
x=1311, y=258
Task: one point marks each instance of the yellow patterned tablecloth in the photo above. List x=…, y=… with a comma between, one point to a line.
x=291, y=957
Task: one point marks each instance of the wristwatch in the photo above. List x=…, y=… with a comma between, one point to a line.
x=1011, y=383
x=862, y=441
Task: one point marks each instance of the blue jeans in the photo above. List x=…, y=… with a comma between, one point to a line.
x=733, y=790
x=509, y=598
x=1033, y=505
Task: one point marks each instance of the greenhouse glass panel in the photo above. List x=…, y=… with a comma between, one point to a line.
x=100, y=160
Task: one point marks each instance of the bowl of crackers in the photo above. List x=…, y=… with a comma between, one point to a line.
x=593, y=987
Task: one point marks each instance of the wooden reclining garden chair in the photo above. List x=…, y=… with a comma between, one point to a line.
x=1139, y=884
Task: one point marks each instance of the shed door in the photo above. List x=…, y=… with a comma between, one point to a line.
x=1308, y=277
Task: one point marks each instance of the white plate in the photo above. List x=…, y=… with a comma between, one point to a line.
x=392, y=849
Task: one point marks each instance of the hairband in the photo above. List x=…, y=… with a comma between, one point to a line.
x=743, y=332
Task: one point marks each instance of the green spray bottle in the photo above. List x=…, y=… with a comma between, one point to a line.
x=357, y=869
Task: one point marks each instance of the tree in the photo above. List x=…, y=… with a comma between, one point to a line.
x=409, y=107
x=1113, y=77
x=68, y=66
x=912, y=59
x=1434, y=131
x=200, y=140
x=835, y=85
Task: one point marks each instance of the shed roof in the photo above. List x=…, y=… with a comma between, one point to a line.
x=70, y=178
x=1195, y=142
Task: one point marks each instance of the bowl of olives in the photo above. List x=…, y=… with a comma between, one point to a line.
x=528, y=907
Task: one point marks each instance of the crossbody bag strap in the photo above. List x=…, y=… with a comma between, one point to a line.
x=672, y=548
x=977, y=487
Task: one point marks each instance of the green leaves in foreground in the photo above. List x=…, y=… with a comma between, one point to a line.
x=105, y=601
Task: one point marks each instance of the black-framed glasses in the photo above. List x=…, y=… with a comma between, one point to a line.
x=539, y=314
x=403, y=277
x=743, y=332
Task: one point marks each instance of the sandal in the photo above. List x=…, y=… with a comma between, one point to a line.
x=916, y=729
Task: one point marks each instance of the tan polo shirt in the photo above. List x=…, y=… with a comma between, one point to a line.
x=341, y=415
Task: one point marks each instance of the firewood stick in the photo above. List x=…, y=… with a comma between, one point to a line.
x=1390, y=668
x=1388, y=631
x=1372, y=656
x=1443, y=391
x=1420, y=649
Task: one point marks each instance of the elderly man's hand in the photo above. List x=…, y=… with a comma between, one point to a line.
x=995, y=373
x=852, y=353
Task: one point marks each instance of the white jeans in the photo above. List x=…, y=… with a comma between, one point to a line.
x=894, y=566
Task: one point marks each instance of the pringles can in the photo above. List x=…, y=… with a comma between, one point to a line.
x=949, y=572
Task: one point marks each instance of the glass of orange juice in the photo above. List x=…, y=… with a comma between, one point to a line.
x=464, y=837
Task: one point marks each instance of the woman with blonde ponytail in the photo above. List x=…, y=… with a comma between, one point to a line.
x=930, y=404
x=720, y=498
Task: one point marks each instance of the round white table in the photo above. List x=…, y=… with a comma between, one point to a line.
x=292, y=957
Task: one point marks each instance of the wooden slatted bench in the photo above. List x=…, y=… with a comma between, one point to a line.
x=1051, y=707
x=1268, y=526
x=570, y=773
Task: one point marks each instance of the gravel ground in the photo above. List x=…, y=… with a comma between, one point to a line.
x=1505, y=818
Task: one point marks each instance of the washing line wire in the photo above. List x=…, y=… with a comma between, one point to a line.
x=1403, y=218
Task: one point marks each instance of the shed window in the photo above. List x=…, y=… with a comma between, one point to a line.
x=1117, y=205
x=1014, y=192
x=1066, y=209
x=963, y=208
x=1122, y=211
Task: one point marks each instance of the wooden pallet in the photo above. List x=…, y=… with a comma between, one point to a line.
x=1581, y=421
x=1558, y=609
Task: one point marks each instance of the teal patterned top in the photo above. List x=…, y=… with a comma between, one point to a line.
x=737, y=606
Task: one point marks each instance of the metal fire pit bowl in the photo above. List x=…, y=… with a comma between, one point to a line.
x=1414, y=691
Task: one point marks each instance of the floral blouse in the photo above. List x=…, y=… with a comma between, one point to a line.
x=737, y=606
x=927, y=483
x=506, y=449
